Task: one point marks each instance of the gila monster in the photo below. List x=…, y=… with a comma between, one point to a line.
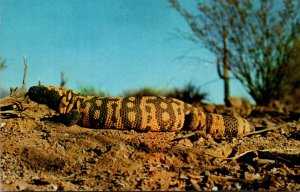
x=147, y=113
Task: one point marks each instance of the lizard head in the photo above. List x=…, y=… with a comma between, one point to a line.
x=58, y=98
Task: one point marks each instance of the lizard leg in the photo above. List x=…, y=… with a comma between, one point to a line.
x=70, y=118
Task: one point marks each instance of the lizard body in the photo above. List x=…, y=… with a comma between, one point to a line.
x=147, y=113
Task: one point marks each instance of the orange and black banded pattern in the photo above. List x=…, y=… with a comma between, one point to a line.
x=148, y=113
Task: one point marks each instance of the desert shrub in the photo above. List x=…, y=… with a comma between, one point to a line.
x=90, y=90
x=145, y=91
x=291, y=89
x=256, y=40
x=190, y=93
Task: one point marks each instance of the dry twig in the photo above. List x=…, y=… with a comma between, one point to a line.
x=271, y=128
x=16, y=102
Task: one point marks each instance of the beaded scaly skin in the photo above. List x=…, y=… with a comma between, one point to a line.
x=147, y=113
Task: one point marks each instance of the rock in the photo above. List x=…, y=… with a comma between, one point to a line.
x=252, y=176
x=2, y=124
x=21, y=187
x=277, y=105
x=195, y=184
x=54, y=187
x=183, y=176
x=209, y=108
x=235, y=102
x=238, y=186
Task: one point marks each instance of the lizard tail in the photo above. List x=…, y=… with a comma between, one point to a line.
x=221, y=125
x=218, y=125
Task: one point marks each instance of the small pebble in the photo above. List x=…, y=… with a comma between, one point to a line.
x=21, y=187
x=2, y=124
x=195, y=184
x=238, y=186
x=183, y=176
x=54, y=187
x=274, y=170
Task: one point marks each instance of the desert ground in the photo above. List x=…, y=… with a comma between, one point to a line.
x=40, y=154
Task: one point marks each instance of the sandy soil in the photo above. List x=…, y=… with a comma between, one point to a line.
x=41, y=154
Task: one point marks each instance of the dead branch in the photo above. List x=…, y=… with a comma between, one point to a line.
x=278, y=154
x=25, y=71
x=16, y=102
x=20, y=92
x=189, y=135
x=63, y=79
x=271, y=128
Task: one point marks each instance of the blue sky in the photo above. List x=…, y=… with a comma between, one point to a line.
x=112, y=45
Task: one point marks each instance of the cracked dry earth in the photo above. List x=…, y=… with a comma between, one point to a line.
x=44, y=155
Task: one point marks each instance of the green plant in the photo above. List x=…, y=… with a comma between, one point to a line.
x=89, y=90
x=255, y=40
x=145, y=91
x=189, y=93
